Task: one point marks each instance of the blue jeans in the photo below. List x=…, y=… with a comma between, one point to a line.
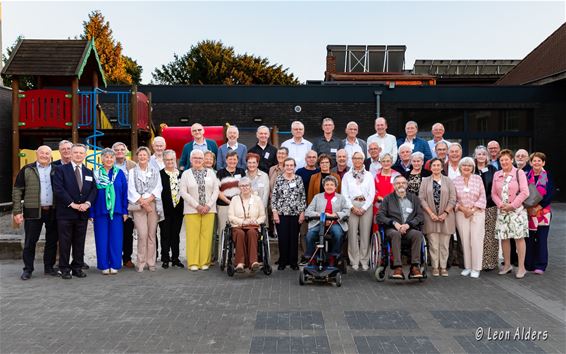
x=335, y=244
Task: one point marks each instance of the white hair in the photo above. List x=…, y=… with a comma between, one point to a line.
x=159, y=139
x=295, y=123
x=405, y=146
x=467, y=161
x=170, y=152
x=412, y=122
x=196, y=152
x=261, y=127
x=417, y=155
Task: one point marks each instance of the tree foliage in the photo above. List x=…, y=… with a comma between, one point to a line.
x=26, y=82
x=211, y=62
x=118, y=69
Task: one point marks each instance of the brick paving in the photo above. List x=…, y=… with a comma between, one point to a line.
x=177, y=311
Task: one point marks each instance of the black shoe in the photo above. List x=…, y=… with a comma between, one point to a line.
x=25, y=275
x=51, y=272
x=281, y=267
x=85, y=267
x=294, y=267
x=177, y=264
x=79, y=273
x=165, y=265
x=66, y=275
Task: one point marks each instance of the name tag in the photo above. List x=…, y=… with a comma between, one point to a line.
x=466, y=190
x=260, y=185
x=88, y=178
x=333, y=200
x=251, y=201
x=266, y=155
x=292, y=184
x=508, y=179
x=333, y=151
x=409, y=210
x=238, y=176
x=485, y=169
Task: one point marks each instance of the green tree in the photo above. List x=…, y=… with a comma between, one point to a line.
x=26, y=82
x=211, y=62
x=109, y=50
x=133, y=69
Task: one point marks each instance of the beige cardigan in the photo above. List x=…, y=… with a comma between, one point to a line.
x=189, y=191
x=256, y=210
x=447, y=203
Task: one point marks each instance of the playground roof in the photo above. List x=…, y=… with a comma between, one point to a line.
x=55, y=58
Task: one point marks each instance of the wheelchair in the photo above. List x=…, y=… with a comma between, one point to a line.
x=321, y=270
x=381, y=256
x=228, y=249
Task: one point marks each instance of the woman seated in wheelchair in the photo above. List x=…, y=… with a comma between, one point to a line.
x=336, y=208
x=246, y=213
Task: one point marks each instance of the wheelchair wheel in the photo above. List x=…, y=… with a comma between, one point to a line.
x=267, y=270
x=222, y=252
x=375, y=254
x=338, y=279
x=302, y=280
x=380, y=274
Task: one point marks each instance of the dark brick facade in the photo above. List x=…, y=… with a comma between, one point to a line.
x=6, y=144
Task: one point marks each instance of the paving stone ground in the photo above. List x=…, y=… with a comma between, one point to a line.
x=176, y=311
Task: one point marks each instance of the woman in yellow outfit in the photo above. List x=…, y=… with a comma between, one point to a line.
x=199, y=189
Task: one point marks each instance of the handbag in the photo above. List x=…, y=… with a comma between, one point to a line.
x=134, y=207
x=534, y=196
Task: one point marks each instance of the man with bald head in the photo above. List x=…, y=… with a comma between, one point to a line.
x=298, y=146
x=493, y=148
x=199, y=143
x=33, y=188
x=266, y=151
x=437, y=137
x=232, y=135
x=387, y=142
x=522, y=160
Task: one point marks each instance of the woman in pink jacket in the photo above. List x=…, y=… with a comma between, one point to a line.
x=510, y=189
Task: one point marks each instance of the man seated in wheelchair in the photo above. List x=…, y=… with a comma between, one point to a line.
x=336, y=208
x=246, y=213
x=401, y=215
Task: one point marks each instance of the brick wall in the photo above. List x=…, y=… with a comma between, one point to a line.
x=6, y=145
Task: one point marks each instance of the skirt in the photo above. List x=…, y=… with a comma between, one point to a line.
x=514, y=224
x=490, y=243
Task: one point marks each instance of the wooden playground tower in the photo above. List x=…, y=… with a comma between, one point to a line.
x=52, y=112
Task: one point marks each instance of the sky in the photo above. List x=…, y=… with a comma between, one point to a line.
x=295, y=34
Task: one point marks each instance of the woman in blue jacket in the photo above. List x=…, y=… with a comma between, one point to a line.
x=109, y=212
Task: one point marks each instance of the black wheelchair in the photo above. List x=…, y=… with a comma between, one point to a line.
x=228, y=249
x=381, y=256
x=318, y=268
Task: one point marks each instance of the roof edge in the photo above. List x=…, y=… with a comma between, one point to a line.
x=3, y=73
x=84, y=60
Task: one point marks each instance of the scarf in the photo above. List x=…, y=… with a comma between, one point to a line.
x=104, y=182
x=174, y=183
x=328, y=198
x=359, y=175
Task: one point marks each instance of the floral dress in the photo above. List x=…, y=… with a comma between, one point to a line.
x=512, y=224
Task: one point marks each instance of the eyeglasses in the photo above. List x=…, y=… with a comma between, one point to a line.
x=196, y=130
x=245, y=185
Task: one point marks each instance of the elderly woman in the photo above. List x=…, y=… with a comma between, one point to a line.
x=109, y=211
x=510, y=189
x=536, y=258
x=172, y=209
x=277, y=170
x=358, y=188
x=199, y=190
x=246, y=213
x=415, y=176
x=470, y=216
x=490, y=244
x=144, y=195
x=209, y=160
x=438, y=199
x=288, y=203
x=316, y=185
x=258, y=178
x=333, y=205
x=384, y=180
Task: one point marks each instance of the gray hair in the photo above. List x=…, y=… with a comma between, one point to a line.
x=480, y=148
x=107, y=151
x=403, y=146
x=245, y=180
x=119, y=143
x=196, y=152
x=159, y=139
x=327, y=119
x=417, y=155
x=169, y=152
x=330, y=178
x=63, y=142
x=261, y=127
x=467, y=161
x=386, y=155
x=412, y=122
x=359, y=152
x=441, y=143
x=143, y=148
x=79, y=145
x=398, y=176
x=456, y=145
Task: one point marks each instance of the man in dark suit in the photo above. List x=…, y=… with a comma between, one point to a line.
x=401, y=216
x=75, y=191
x=65, y=152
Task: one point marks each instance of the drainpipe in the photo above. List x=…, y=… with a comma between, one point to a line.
x=377, y=103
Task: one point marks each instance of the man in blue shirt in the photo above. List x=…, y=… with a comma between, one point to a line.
x=416, y=143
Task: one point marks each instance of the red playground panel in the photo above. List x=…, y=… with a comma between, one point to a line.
x=177, y=137
x=45, y=109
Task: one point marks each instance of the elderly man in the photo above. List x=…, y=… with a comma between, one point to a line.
x=267, y=152
x=372, y=163
x=401, y=215
x=33, y=187
x=75, y=191
x=522, y=160
x=352, y=144
x=403, y=164
x=309, y=169
x=416, y=143
x=387, y=142
x=298, y=146
x=65, y=151
x=232, y=134
x=121, y=151
x=451, y=169
x=437, y=137
x=341, y=163
x=156, y=160
x=493, y=148
x=199, y=143
x=441, y=151
x=328, y=143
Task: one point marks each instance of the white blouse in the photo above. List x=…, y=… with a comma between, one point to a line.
x=352, y=189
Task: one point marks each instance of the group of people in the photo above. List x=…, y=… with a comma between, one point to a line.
x=408, y=187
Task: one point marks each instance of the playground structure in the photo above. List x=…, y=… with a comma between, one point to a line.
x=52, y=113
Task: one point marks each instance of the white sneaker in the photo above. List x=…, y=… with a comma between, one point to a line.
x=365, y=267
x=466, y=272
x=113, y=271
x=106, y=271
x=355, y=267
x=204, y=267
x=193, y=268
x=475, y=274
